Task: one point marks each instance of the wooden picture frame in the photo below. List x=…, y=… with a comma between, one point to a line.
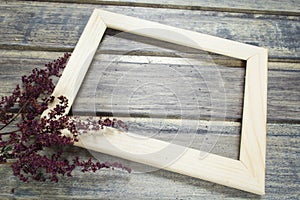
x=247, y=173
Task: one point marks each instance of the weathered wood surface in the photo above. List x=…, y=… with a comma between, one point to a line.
x=37, y=25
x=32, y=33
x=252, y=6
x=282, y=174
x=108, y=80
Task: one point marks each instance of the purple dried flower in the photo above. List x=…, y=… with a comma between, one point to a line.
x=26, y=146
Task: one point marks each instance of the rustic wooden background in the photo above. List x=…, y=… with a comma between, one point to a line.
x=35, y=32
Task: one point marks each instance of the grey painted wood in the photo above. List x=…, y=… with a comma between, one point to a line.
x=282, y=178
x=36, y=25
x=253, y=6
x=35, y=32
x=123, y=87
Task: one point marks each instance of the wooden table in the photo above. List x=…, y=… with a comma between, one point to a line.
x=34, y=33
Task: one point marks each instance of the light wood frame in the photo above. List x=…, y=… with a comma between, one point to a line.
x=247, y=173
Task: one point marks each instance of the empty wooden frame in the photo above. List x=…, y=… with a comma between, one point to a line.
x=247, y=173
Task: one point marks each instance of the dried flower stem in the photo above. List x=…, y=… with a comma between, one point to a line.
x=19, y=112
x=27, y=145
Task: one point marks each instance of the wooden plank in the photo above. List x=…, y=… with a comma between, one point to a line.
x=177, y=36
x=282, y=178
x=58, y=26
x=283, y=82
x=253, y=6
x=283, y=139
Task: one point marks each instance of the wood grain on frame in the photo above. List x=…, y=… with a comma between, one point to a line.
x=248, y=173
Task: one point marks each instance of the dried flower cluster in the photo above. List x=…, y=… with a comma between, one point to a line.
x=35, y=149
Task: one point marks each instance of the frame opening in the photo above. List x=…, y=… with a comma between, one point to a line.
x=134, y=83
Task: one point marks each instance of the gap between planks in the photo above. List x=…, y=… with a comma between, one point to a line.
x=281, y=31
x=194, y=5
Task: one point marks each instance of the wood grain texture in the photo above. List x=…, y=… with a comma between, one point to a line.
x=177, y=36
x=47, y=28
x=77, y=66
x=253, y=134
x=285, y=75
x=58, y=26
x=282, y=178
x=253, y=6
x=247, y=173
